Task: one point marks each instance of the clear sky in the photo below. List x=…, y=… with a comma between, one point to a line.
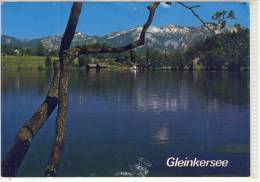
x=35, y=20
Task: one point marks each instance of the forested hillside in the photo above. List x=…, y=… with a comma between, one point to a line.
x=224, y=51
x=228, y=50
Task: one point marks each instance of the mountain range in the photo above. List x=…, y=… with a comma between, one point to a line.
x=161, y=38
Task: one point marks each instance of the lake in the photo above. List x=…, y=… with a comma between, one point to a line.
x=123, y=123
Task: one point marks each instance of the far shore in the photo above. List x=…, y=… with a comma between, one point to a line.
x=38, y=63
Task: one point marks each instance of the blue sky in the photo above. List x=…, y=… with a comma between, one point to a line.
x=34, y=20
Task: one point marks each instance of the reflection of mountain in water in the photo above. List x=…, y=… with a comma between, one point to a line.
x=125, y=115
x=146, y=97
x=161, y=135
x=165, y=91
x=156, y=91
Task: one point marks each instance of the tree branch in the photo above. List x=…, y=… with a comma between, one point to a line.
x=67, y=57
x=61, y=118
x=16, y=154
x=57, y=149
x=206, y=24
x=90, y=49
x=24, y=138
x=70, y=28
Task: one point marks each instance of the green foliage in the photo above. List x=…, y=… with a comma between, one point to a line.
x=23, y=62
x=40, y=67
x=121, y=58
x=224, y=51
x=40, y=50
x=228, y=51
x=132, y=56
x=7, y=49
x=220, y=17
x=156, y=59
x=21, y=50
x=83, y=60
x=147, y=56
x=48, y=62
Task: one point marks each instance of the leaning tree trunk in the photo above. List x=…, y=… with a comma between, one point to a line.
x=16, y=154
x=24, y=138
x=65, y=60
x=60, y=123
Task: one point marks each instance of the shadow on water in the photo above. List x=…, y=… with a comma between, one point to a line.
x=121, y=121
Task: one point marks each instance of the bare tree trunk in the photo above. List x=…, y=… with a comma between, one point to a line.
x=59, y=89
x=57, y=149
x=70, y=28
x=16, y=154
x=60, y=123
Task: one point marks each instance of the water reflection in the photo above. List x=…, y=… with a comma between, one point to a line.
x=166, y=91
x=161, y=135
x=157, y=91
x=18, y=82
x=117, y=117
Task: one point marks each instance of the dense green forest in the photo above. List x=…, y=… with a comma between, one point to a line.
x=224, y=51
x=227, y=51
x=39, y=50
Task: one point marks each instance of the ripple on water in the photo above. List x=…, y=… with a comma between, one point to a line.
x=139, y=169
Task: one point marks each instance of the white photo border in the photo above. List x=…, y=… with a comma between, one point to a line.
x=254, y=110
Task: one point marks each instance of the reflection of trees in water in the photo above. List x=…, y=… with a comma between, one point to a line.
x=162, y=90
x=225, y=87
x=25, y=81
x=156, y=90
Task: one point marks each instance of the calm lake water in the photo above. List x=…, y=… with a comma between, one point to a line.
x=129, y=123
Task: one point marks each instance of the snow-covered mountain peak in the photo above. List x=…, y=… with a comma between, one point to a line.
x=164, y=37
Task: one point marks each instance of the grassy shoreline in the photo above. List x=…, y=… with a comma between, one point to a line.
x=22, y=62
x=38, y=63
